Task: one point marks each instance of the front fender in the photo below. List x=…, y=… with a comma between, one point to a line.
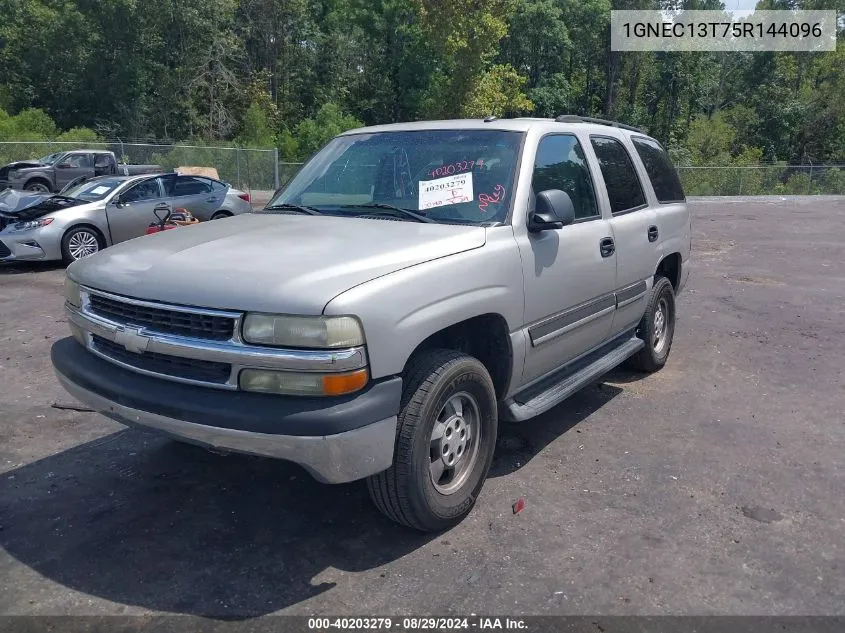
x=402, y=309
x=25, y=176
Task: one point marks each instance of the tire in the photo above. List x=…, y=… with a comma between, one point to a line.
x=37, y=186
x=77, y=243
x=407, y=492
x=655, y=330
x=219, y=215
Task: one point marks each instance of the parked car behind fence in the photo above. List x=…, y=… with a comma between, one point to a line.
x=106, y=210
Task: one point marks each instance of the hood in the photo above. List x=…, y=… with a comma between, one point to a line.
x=25, y=164
x=40, y=205
x=12, y=200
x=268, y=263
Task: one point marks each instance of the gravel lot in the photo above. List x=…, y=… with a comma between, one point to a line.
x=714, y=486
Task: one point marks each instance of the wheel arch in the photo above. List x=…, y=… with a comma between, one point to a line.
x=670, y=267
x=484, y=337
x=87, y=225
x=38, y=178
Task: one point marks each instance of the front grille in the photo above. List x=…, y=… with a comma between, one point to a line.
x=177, y=367
x=4, y=250
x=164, y=320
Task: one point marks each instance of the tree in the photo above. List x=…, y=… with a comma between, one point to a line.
x=465, y=34
x=329, y=121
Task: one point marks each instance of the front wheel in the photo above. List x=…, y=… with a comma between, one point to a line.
x=444, y=447
x=657, y=327
x=80, y=242
x=37, y=187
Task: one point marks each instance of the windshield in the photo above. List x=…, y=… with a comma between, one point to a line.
x=461, y=176
x=49, y=159
x=93, y=190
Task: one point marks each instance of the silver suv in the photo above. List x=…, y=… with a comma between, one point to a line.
x=411, y=287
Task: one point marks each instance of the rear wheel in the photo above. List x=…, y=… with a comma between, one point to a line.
x=80, y=242
x=657, y=327
x=220, y=215
x=446, y=436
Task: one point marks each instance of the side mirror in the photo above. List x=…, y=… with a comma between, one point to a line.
x=63, y=166
x=553, y=210
x=118, y=201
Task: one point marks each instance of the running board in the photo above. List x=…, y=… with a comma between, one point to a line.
x=540, y=398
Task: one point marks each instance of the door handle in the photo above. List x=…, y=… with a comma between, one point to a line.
x=607, y=247
x=162, y=207
x=652, y=233
x=211, y=199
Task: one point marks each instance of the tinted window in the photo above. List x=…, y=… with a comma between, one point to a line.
x=147, y=190
x=623, y=186
x=188, y=186
x=560, y=164
x=661, y=172
x=102, y=160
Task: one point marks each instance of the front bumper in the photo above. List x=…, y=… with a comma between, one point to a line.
x=335, y=439
x=37, y=244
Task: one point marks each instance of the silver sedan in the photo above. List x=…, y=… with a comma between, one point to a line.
x=110, y=209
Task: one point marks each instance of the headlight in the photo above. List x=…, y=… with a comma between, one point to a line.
x=302, y=383
x=295, y=331
x=32, y=224
x=72, y=292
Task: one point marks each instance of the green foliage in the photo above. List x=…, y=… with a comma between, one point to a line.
x=256, y=128
x=498, y=92
x=291, y=73
x=28, y=125
x=312, y=134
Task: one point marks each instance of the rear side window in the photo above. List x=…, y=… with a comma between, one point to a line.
x=188, y=186
x=661, y=172
x=560, y=164
x=623, y=186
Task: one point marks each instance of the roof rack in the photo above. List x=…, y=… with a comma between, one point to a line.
x=574, y=118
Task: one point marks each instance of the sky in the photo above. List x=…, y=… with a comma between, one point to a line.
x=742, y=5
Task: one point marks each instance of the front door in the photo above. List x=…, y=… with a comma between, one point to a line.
x=132, y=211
x=74, y=165
x=569, y=273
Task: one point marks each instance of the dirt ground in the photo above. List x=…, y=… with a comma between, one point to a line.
x=713, y=486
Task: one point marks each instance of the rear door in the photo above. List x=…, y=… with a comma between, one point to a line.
x=673, y=220
x=73, y=166
x=195, y=194
x=634, y=224
x=132, y=211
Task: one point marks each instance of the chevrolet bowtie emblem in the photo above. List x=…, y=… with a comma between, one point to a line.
x=132, y=339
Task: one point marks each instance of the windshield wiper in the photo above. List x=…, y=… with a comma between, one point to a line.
x=389, y=207
x=287, y=206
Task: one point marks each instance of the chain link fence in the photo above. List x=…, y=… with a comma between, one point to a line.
x=759, y=180
x=246, y=169
x=259, y=171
